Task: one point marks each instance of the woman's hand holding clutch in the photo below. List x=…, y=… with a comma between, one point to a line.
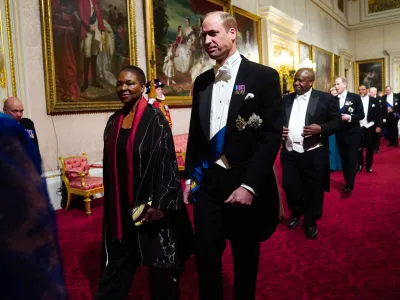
x=153, y=214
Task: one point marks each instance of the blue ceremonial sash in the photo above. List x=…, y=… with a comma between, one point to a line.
x=342, y=109
x=391, y=106
x=216, y=145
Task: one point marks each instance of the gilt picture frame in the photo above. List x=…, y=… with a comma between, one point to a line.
x=249, y=34
x=85, y=44
x=305, y=51
x=175, y=54
x=324, y=72
x=370, y=73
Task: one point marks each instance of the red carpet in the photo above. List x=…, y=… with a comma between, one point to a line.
x=357, y=255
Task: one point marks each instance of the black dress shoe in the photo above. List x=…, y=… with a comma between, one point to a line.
x=369, y=170
x=311, y=231
x=347, y=190
x=294, y=221
x=359, y=169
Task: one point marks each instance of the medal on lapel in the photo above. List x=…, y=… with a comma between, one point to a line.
x=239, y=89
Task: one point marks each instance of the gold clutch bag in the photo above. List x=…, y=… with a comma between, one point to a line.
x=137, y=213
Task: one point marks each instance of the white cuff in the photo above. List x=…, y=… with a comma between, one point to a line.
x=188, y=181
x=248, y=188
x=349, y=119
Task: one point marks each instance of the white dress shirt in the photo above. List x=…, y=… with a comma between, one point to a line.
x=342, y=98
x=297, y=122
x=389, y=99
x=364, y=122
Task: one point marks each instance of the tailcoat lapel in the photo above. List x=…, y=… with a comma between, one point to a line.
x=237, y=100
x=311, y=107
x=205, y=97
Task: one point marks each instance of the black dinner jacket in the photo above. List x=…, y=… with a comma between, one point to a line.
x=29, y=125
x=251, y=151
x=396, y=103
x=374, y=112
x=354, y=107
x=322, y=109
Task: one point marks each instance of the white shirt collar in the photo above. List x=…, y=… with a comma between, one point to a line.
x=305, y=96
x=343, y=95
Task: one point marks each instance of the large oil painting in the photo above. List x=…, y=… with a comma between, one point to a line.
x=175, y=49
x=86, y=43
x=370, y=73
x=375, y=6
x=336, y=66
x=324, y=68
x=304, y=52
x=249, y=34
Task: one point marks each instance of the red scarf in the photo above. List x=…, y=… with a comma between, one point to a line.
x=111, y=147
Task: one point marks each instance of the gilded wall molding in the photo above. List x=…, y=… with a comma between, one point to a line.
x=10, y=48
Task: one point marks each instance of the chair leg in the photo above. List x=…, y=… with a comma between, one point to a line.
x=87, y=205
x=69, y=197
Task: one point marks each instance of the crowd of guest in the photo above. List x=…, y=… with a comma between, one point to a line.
x=232, y=146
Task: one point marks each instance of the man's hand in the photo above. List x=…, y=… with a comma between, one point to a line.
x=285, y=133
x=92, y=27
x=313, y=129
x=378, y=130
x=390, y=109
x=240, y=196
x=345, y=117
x=186, y=192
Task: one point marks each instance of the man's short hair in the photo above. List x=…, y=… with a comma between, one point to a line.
x=228, y=21
x=388, y=86
x=343, y=79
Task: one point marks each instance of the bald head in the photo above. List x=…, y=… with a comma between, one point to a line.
x=303, y=80
x=14, y=108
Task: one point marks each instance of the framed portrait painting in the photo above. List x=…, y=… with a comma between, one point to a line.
x=85, y=44
x=249, y=34
x=304, y=52
x=324, y=68
x=336, y=67
x=175, y=52
x=370, y=73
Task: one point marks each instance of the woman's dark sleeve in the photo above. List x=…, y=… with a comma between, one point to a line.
x=30, y=258
x=167, y=186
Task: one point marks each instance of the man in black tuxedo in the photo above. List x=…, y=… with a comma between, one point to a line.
x=349, y=137
x=373, y=92
x=370, y=127
x=14, y=108
x=234, y=138
x=311, y=116
x=392, y=103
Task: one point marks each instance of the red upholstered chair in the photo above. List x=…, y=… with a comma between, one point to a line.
x=180, y=141
x=75, y=174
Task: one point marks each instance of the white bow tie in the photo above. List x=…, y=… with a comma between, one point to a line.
x=223, y=71
x=341, y=96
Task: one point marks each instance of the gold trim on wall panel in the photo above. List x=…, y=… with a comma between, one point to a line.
x=3, y=70
x=10, y=48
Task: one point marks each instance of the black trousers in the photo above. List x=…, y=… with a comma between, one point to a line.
x=393, y=130
x=348, y=144
x=116, y=279
x=215, y=222
x=304, y=179
x=368, y=138
x=377, y=144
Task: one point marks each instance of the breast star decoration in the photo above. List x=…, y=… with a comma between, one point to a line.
x=253, y=122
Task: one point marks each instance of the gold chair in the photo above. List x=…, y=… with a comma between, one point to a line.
x=75, y=174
